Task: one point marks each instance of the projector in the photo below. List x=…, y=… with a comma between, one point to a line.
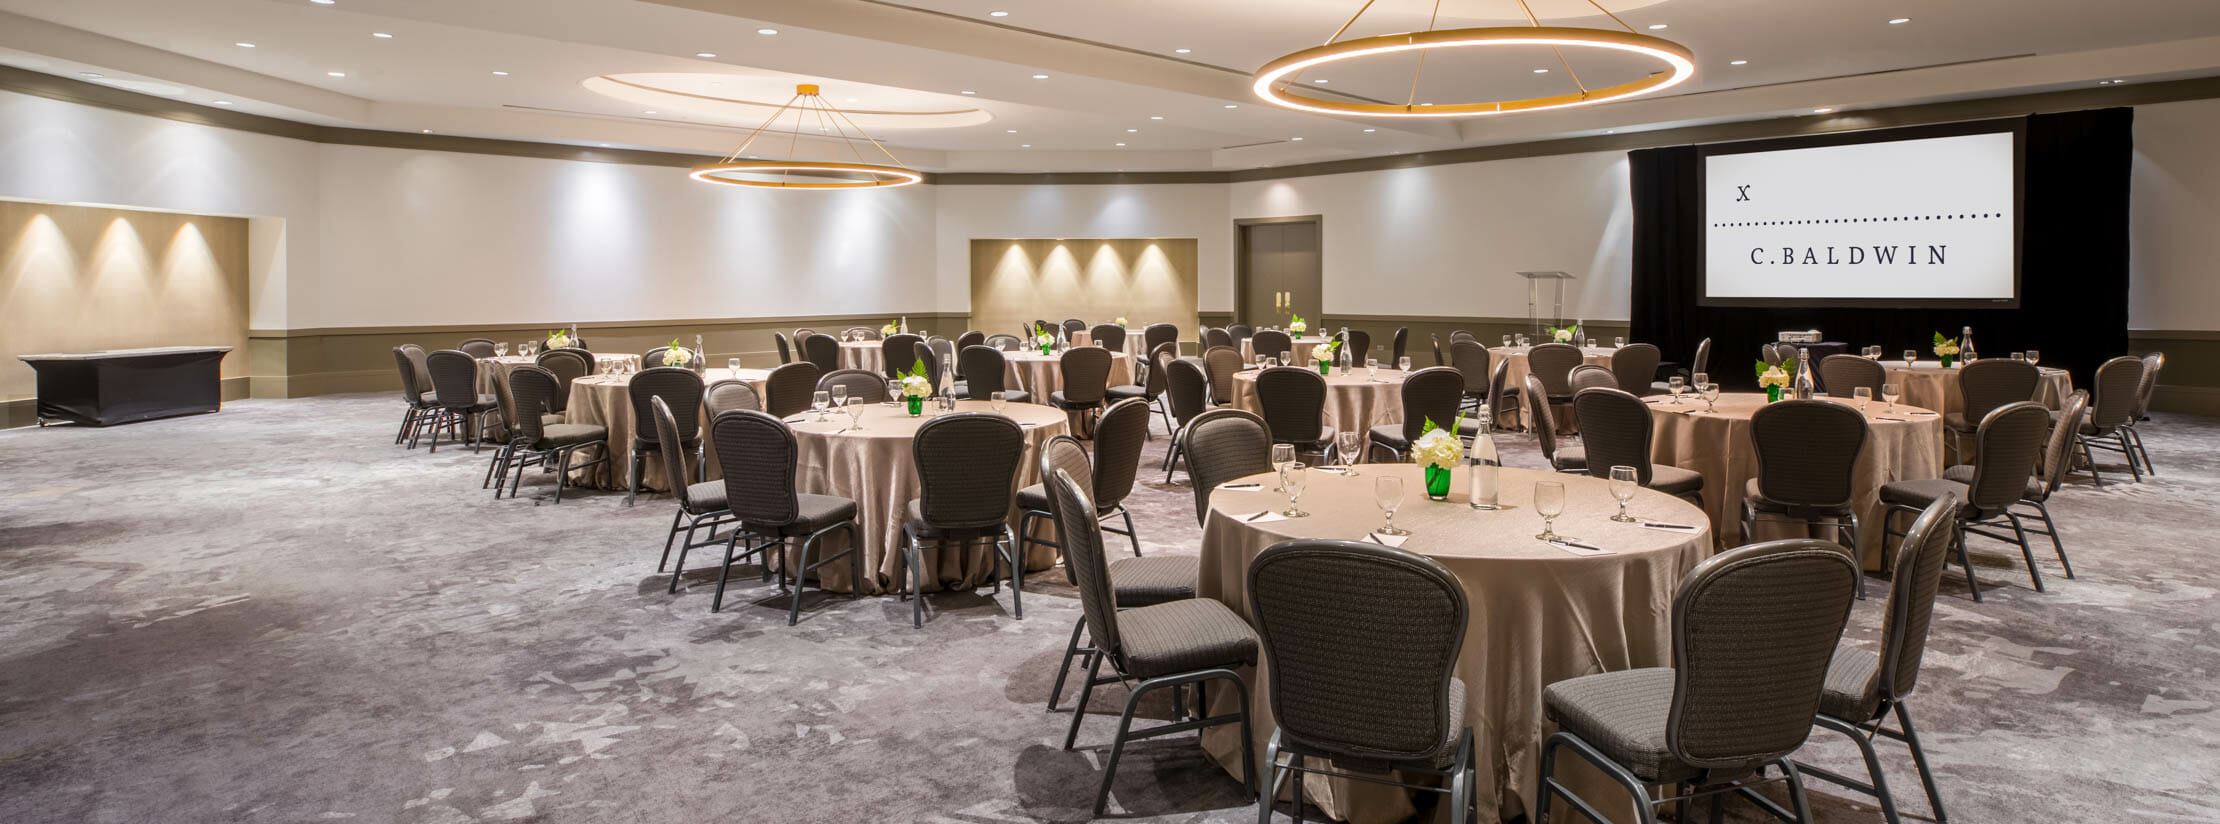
x=1806, y=336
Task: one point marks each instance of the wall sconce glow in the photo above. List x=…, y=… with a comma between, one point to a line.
x=1273, y=83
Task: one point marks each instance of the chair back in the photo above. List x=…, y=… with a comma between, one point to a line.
x=1553, y=363
x=1108, y=336
x=679, y=387
x=925, y=357
x=1213, y=338
x=1118, y=438
x=2119, y=382
x=671, y=444
x=1294, y=403
x=1357, y=346
x=1772, y=354
x=2151, y=364
x=1615, y=428
x=1073, y=325
x=1460, y=334
x=1328, y=614
x=1400, y=346
x=802, y=332
x=967, y=467
x=944, y=356
x=1006, y=343
x=898, y=353
x=1221, y=445
x=1807, y=453
x=1439, y=360
x=1703, y=357
x=862, y=384
x=1187, y=388
x=730, y=394
x=421, y=362
x=1542, y=422
x=1591, y=376
x=2058, y=451
x=477, y=348
x=1841, y=375
x=653, y=358
x=1158, y=334
x=455, y=378
x=411, y=391
x=568, y=365
x=532, y=393
x=1221, y=363
x=1064, y=453
x=1270, y=343
x=1433, y=393
x=786, y=352
x=1634, y=366
x=1499, y=385
x=954, y=356
x=860, y=332
x=1152, y=383
x=2006, y=448
x=1753, y=631
x=757, y=452
x=821, y=351
x=505, y=404
x=1990, y=383
x=1471, y=361
x=1916, y=576
x=788, y=389
x=983, y=371
x=1240, y=332
x=1080, y=537
x=1086, y=373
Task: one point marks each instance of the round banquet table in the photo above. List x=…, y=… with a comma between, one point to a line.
x=1301, y=346
x=863, y=354
x=1905, y=443
x=1353, y=401
x=1134, y=347
x=1539, y=613
x=499, y=368
x=606, y=400
x=1516, y=372
x=874, y=467
x=1035, y=374
x=1926, y=384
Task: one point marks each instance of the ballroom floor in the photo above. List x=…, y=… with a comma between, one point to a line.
x=270, y=614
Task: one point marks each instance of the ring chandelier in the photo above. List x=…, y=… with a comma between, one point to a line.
x=1276, y=82
x=809, y=174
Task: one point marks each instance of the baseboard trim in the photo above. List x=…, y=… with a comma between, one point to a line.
x=22, y=412
x=2186, y=400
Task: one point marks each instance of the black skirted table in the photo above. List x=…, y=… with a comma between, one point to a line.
x=126, y=385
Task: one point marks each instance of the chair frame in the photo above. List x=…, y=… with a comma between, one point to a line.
x=557, y=460
x=775, y=536
x=1005, y=546
x=1977, y=524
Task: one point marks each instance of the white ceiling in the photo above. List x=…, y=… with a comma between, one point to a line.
x=1114, y=70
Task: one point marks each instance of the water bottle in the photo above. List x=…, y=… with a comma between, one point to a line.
x=1804, y=383
x=1965, y=345
x=1485, y=463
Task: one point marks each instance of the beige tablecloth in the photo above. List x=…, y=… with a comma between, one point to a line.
x=606, y=400
x=1929, y=386
x=863, y=354
x=1539, y=614
x=1902, y=445
x=1134, y=348
x=875, y=467
x=1301, y=347
x=1515, y=376
x=1353, y=401
x=492, y=369
x=1037, y=374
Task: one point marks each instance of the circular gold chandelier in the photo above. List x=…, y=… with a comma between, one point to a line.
x=1275, y=83
x=816, y=175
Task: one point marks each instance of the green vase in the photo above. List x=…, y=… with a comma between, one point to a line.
x=917, y=405
x=1325, y=367
x=1437, y=483
x=1045, y=347
x=1948, y=359
x=1772, y=394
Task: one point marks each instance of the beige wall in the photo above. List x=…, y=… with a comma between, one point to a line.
x=1015, y=282
x=81, y=279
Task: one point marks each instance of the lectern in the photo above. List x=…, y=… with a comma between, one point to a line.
x=1538, y=324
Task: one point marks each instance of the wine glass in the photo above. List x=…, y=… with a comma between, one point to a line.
x=893, y=393
x=1403, y=364
x=839, y=394
x=1618, y=341
x=733, y=364
x=1696, y=381
x=1864, y=394
x=1591, y=343
x=1287, y=358
x=818, y=401
x=2034, y=357
x=1267, y=362
x=2019, y=356
x=1676, y=385
x=999, y=400
x=501, y=350
x=1888, y=393
x=1372, y=368
x=1283, y=456
x=1387, y=491
x=1506, y=341
x=1623, y=483
x=1350, y=441
x=1297, y=476
x=1710, y=395
x=1549, y=500
x=855, y=412
x=1911, y=356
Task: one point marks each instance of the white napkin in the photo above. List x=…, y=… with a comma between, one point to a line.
x=1331, y=470
x=1028, y=424
x=1924, y=414
x=1387, y=540
x=1264, y=517
x=1239, y=486
x=1667, y=527
x=1578, y=550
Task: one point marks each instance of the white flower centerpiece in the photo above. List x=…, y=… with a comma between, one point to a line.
x=1438, y=450
x=1946, y=348
x=676, y=355
x=1043, y=339
x=915, y=388
x=1296, y=325
x=1774, y=377
x=558, y=339
x=1121, y=322
x=1564, y=335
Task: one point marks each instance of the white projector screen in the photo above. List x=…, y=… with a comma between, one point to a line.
x=1896, y=218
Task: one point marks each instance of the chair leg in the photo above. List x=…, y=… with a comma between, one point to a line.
x=2134, y=468
x=1086, y=693
x=1919, y=759
x=2090, y=458
x=1269, y=789
x=632, y=484
x=1879, y=782
x=1071, y=650
x=917, y=582
x=1966, y=561
x=2137, y=435
x=1130, y=532
x=1796, y=792
x=724, y=573
x=801, y=582
x=2026, y=551
x=667, y=539
x=1117, y=748
x=1017, y=573
x=2052, y=527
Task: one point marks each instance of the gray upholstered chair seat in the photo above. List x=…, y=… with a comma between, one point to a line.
x=815, y=512
x=1672, y=480
x=1751, y=492
x=1853, y=691
x=485, y=402
x=1963, y=473
x=566, y=434
x=1184, y=636
x=1390, y=436
x=1119, y=393
x=1570, y=459
x=1918, y=494
x=917, y=523
x=650, y=444
x=1057, y=398
x=428, y=397
x=1624, y=714
x=552, y=419
x=1141, y=582
x=707, y=496
x=1016, y=396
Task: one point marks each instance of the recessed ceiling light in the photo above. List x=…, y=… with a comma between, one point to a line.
x=1121, y=144
x=223, y=102
x=2117, y=82
x=381, y=35
x=244, y=45
x=93, y=75
x=1233, y=105
x=1297, y=138
x=766, y=31
x=1156, y=117
x=1369, y=131
x=1319, y=80
x=1656, y=26
x=1541, y=71
x=2104, y=82
x=1738, y=62
x=1900, y=21
x=1182, y=51
x=1822, y=110
x=501, y=74
x=968, y=91
x=337, y=74
x=1611, y=131
x=705, y=54
x=1132, y=131
x=1040, y=77
x=1009, y=131
x=998, y=14
x=1025, y=145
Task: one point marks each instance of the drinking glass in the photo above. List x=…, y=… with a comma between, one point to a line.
x=1283, y=456
x=999, y=400
x=1710, y=395
x=1350, y=441
x=839, y=394
x=1549, y=500
x=894, y=393
x=855, y=413
x=1888, y=393
x=2019, y=356
x=1618, y=341
x=1698, y=380
x=1267, y=362
x=1298, y=476
x=1864, y=394
x=1623, y=484
x=1521, y=341
x=734, y=365
x=1287, y=358
x=1676, y=385
x=501, y=350
x=1506, y=341
x=1911, y=356
x=1403, y=364
x=818, y=401
x=2034, y=357
x=1371, y=367
x=1591, y=343
x=1387, y=491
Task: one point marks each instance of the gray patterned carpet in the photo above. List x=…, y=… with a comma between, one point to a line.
x=270, y=614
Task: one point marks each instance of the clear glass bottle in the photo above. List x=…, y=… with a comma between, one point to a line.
x=1804, y=384
x=1485, y=463
x=1965, y=345
x=905, y=324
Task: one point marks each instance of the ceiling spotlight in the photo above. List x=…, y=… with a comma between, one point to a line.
x=1822, y=110
x=851, y=100
x=1657, y=26
x=1183, y=51
x=766, y=31
x=1738, y=62
x=1132, y=131
x=501, y=74
x=1025, y=145
x=223, y=102
x=1040, y=77
x=1233, y=105
x=381, y=35
x=1297, y=138
x=604, y=145
x=1156, y=117
x=998, y=14
x=1541, y=71
x=1900, y=21
x=705, y=55
x=337, y=74
x=968, y=91
x=244, y=45
x=425, y=131
x=1009, y=131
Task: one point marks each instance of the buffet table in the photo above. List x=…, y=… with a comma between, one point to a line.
x=126, y=385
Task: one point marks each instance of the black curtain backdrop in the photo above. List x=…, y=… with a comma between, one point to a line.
x=2073, y=264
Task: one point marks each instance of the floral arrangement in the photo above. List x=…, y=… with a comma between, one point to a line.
x=676, y=355
x=1042, y=338
x=1121, y=322
x=559, y=339
x=1945, y=347
x=1562, y=334
x=1771, y=377
x=1438, y=448
x=1296, y=325
x=890, y=328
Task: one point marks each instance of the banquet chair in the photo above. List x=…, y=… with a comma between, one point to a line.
x=1239, y=332
x=2057, y=463
x=1039, y=327
x=944, y=359
x=2005, y=449
x=421, y=401
x=1271, y=343
x=1616, y=430
x=1360, y=648
x=964, y=341
x=1294, y=403
x=568, y=365
x=802, y=332
x=1470, y=360
x=1501, y=394
x=1005, y=343
x=532, y=443
x=1108, y=336
x=505, y=450
x=1807, y=456
x=1434, y=394
x=1400, y=347
x=730, y=394
x=1988, y=384
x=1356, y=347
x=578, y=343
x=654, y=358
x=786, y=353
x=2119, y=383
x=1705, y=726
x=2142, y=411
x=787, y=391
x=1543, y=424
x=1634, y=367
x=477, y=347
x=1460, y=334
x=1085, y=372
x=1439, y=360
x=1554, y=363
x=682, y=389
x=1221, y=363
x=1842, y=375
x=760, y=455
x=822, y=351
x=1073, y=325
x=897, y=353
x=967, y=466
x=860, y=333
x=1158, y=334
x=1214, y=338
x=1151, y=388
x=1701, y=365
x=1863, y=687
x=461, y=409
x=1137, y=581
x=1591, y=376
x=862, y=384
x=1221, y=445
x=986, y=368
x=1117, y=460
x=1773, y=354
x=927, y=361
x=419, y=360
x=700, y=504
x=1161, y=646
x=1186, y=395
